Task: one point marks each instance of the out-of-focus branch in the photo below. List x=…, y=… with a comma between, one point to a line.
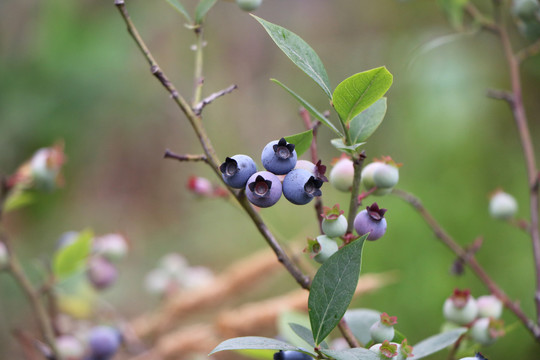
x=469, y=259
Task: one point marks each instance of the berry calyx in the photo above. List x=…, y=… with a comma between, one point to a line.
x=237, y=169
x=405, y=350
x=386, y=350
x=460, y=308
x=263, y=189
x=372, y=221
x=279, y=157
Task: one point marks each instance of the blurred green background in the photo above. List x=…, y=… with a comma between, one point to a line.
x=68, y=70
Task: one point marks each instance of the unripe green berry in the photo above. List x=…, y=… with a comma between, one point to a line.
x=460, y=308
x=114, y=247
x=249, y=5
x=502, y=205
x=486, y=330
x=334, y=223
x=383, y=329
x=69, y=347
x=322, y=248
x=489, y=306
x=381, y=174
x=342, y=174
x=4, y=256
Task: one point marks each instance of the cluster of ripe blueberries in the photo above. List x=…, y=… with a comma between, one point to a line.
x=264, y=188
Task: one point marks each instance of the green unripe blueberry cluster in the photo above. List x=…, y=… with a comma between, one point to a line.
x=481, y=315
x=299, y=184
x=380, y=176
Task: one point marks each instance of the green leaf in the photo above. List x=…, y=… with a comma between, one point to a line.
x=254, y=343
x=360, y=320
x=285, y=331
x=454, y=11
x=305, y=334
x=301, y=141
x=363, y=125
x=314, y=112
x=299, y=52
x=333, y=288
x=180, y=8
x=18, y=199
x=72, y=257
x=437, y=342
x=348, y=149
x=258, y=354
x=352, y=354
x=356, y=93
x=202, y=8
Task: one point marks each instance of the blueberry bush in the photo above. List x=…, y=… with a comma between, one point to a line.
x=320, y=320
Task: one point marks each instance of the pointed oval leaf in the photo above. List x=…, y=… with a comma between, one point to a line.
x=348, y=149
x=202, y=8
x=286, y=333
x=72, y=257
x=437, y=342
x=314, y=112
x=352, y=354
x=299, y=52
x=360, y=320
x=254, y=343
x=305, y=334
x=180, y=8
x=301, y=141
x=333, y=288
x=18, y=199
x=356, y=93
x=363, y=125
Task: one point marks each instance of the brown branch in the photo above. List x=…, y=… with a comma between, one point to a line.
x=481, y=19
x=518, y=112
x=186, y=157
x=469, y=259
x=200, y=106
x=212, y=159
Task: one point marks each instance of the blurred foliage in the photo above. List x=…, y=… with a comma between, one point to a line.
x=69, y=71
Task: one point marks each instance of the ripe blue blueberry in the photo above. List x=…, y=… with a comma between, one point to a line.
x=263, y=189
x=237, y=169
x=299, y=186
x=291, y=355
x=371, y=221
x=103, y=342
x=279, y=157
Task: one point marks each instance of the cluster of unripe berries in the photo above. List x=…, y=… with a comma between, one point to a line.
x=379, y=176
x=481, y=315
x=173, y=273
x=100, y=343
x=370, y=221
x=382, y=333
x=302, y=180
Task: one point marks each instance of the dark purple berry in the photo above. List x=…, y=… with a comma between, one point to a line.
x=263, y=189
x=279, y=157
x=237, y=169
x=291, y=355
x=300, y=186
x=103, y=342
x=371, y=221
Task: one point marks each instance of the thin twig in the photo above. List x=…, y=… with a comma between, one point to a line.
x=518, y=111
x=446, y=239
x=200, y=105
x=481, y=19
x=500, y=95
x=358, y=163
x=528, y=52
x=186, y=157
x=198, y=78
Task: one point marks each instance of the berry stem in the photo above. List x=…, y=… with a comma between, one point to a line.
x=198, y=79
x=358, y=163
x=470, y=260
